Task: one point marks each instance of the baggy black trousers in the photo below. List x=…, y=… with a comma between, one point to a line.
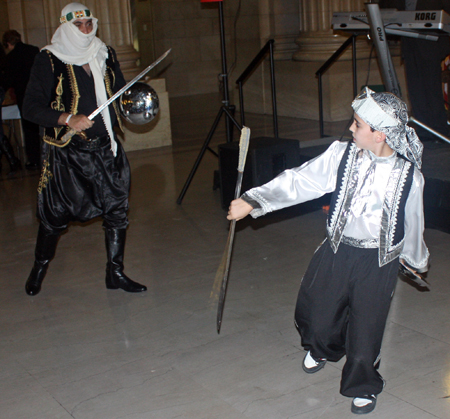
x=342, y=308
x=82, y=181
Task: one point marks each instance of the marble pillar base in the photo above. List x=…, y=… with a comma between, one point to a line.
x=156, y=133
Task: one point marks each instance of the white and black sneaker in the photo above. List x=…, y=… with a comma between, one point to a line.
x=312, y=365
x=365, y=404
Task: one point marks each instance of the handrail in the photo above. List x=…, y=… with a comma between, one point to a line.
x=255, y=61
x=327, y=65
x=246, y=74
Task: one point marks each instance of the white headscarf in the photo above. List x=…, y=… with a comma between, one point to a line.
x=74, y=47
x=387, y=113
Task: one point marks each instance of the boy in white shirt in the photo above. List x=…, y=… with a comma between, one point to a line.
x=375, y=219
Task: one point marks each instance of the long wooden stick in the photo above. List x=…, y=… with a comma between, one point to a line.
x=224, y=268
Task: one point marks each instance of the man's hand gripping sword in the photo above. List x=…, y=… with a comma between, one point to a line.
x=68, y=135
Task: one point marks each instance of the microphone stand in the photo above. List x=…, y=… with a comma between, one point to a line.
x=226, y=109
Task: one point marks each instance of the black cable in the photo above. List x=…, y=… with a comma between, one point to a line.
x=370, y=61
x=236, y=17
x=220, y=76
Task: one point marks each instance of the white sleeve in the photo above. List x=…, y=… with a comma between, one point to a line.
x=415, y=251
x=311, y=180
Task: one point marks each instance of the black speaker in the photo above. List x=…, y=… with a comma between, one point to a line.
x=267, y=157
x=436, y=193
x=436, y=198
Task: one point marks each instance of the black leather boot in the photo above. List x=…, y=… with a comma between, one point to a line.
x=44, y=253
x=14, y=162
x=115, y=248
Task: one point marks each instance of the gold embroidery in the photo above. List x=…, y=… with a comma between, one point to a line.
x=75, y=91
x=55, y=141
x=119, y=119
x=109, y=73
x=111, y=54
x=51, y=60
x=46, y=175
x=58, y=104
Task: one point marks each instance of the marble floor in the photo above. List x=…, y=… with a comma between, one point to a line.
x=80, y=351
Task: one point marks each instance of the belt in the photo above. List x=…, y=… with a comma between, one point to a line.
x=90, y=143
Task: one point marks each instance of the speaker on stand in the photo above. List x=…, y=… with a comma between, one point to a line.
x=267, y=157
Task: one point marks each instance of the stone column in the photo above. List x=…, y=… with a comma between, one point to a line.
x=115, y=29
x=316, y=41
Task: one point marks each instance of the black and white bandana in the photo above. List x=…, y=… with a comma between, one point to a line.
x=387, y=113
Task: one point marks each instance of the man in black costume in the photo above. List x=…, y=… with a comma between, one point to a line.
x=18, y=63
x=90, y=176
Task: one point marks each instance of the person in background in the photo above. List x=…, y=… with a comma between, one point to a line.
x=5, y=146
x=18, y=62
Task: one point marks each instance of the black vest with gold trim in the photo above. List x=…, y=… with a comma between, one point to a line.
x=66, y=95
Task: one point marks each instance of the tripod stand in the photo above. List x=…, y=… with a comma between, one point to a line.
x=226, y=109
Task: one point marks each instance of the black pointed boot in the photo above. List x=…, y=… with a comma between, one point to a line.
x=115, y=248
x=14, y=162
x=44, y=253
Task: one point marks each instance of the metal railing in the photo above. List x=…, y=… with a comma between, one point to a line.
x=268, y=48
x=327, y=65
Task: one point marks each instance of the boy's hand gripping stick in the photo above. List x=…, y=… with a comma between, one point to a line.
x=224, y=268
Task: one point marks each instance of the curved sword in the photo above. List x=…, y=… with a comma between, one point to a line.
x=68, y=135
